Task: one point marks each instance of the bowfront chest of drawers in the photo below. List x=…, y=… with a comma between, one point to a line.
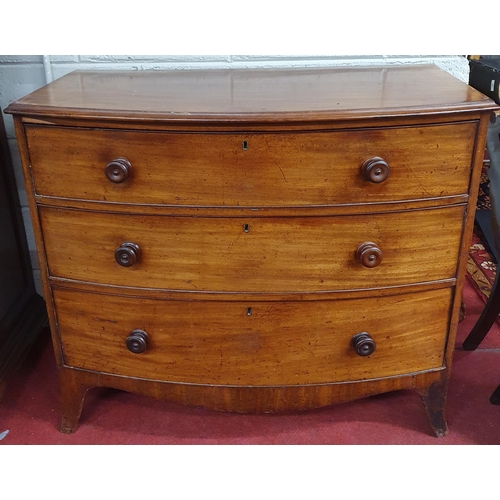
x=254, y=240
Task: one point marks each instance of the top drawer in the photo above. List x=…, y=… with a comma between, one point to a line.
x=252, y=170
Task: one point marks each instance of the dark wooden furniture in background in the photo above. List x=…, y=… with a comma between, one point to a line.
x=492, y=308
x=485, y=77
x=254, y=240
x=22, y=310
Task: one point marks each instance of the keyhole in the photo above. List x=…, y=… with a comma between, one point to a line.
x=246, y=228
x=249, y=311
x=245, y=145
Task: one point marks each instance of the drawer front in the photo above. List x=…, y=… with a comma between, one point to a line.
x=280, y=169
x=287, y=254
x=254, y=343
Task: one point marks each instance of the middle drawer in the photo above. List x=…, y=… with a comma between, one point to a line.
x=254, y=254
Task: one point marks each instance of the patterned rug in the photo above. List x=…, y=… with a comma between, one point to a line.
x=481, y=265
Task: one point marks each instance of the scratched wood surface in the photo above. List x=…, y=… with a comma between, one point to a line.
x=281, y=95
x=192, y=190
x=286, y=254
x=274, y=343
x=281, y=169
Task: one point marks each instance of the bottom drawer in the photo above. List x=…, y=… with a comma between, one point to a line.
x=253, y=343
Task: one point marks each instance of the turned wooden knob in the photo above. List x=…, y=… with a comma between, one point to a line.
x=363, y=344
x=137, y=341
x=118, y=170
x=369, y=254
x=127, y=254
x=375, y=170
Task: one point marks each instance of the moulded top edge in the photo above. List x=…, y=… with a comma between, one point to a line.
x=262, y=95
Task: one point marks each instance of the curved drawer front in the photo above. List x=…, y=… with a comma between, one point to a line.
x=257, y=170
x=287, y=254
x=253, y=343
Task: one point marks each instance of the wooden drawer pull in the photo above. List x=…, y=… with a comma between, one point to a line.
x=118, y=170
x=137, y=341
x=375, y=170
x=127, y=254
x=369, y=254
x=363, y=344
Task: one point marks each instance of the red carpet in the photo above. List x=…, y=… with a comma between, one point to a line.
x=30, y=410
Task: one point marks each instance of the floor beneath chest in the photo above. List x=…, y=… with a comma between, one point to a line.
x=30, y=410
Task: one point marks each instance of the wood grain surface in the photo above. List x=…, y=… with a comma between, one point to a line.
x=281, y=169
x=286, y=254
x=253, y=343
x=243, y=399
x=246, y=200
x=282, y=95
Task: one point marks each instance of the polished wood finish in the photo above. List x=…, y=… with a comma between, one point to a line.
x=137, y=341
x=216, y=212
x=375, y=170
x=279, y=169
x=278, y=343
x=118, y=170
x=369, y=254
x=363, y=344
x=287, y=254
x=242, y=296
x=248, y=195
x=252, y=96
x=127, y=254
x=75, y=383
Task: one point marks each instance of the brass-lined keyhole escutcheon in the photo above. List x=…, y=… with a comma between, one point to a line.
x=246, y=228
x=244, y=145
x=249, y=311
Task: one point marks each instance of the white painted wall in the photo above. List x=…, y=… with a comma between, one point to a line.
x=20, y=75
